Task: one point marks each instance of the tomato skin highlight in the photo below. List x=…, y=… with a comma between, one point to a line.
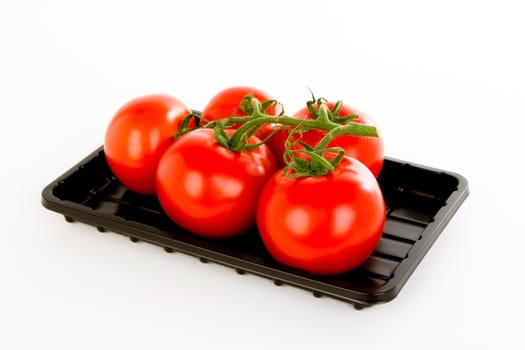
x=210, y=190
x=137, y=136
x=368, y=150
x=325, y=225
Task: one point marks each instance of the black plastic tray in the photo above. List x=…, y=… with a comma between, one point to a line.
x=420, y=202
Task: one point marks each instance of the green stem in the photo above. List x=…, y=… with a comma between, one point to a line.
x=348, y=129
x=237, y=142
x=324, y=119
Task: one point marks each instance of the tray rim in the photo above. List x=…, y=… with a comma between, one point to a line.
x=76, y=212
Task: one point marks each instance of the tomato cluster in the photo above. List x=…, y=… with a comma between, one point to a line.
x=308, y=182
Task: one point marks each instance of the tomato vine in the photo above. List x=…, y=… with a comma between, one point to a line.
x=313, y=162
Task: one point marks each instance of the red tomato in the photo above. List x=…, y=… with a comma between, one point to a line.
x=326, y=224
x=226, y=103
x=210, y=190
x=138, y=135
x=368, y=150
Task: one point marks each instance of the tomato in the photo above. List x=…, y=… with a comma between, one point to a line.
x=210, y=190
x=226, y=103
x=326, y=224
x=368, y=150
x=138, y=135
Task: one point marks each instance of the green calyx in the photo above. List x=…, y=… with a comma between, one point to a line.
x=300, y=162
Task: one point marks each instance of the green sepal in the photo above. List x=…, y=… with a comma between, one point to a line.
x=222, y=137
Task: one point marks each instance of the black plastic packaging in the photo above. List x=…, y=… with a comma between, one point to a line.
x=420, y=202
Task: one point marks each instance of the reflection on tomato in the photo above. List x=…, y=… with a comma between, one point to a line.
x=325, y=224
x=210, y=190
x=138, y=135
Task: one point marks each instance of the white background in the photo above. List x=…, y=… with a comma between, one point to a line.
x=445, y=82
